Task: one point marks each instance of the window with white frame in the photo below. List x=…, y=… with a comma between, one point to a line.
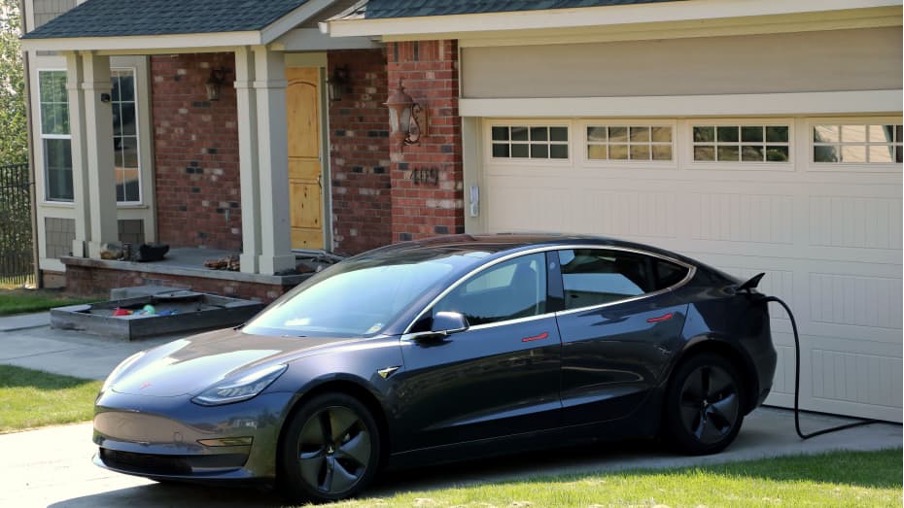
x=56, y=138
x=125, y=136
x=629, y=143
x=857, y=143
x=529, y=142
x=741, y=143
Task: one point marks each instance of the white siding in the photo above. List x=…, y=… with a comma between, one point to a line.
x=841, y=60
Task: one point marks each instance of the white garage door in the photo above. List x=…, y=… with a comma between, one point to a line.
x=816, y=203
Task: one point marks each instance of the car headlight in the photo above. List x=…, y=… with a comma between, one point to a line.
x=123, y=365
x=244, y=388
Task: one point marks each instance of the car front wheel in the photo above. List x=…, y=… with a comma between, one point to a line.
x=330, y=451
x=703, y=410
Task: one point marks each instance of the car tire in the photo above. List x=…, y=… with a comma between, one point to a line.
x=330, y=450
x=703, y=409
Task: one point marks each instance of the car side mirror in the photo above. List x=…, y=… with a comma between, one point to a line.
x=449, y=323
x=443, y=325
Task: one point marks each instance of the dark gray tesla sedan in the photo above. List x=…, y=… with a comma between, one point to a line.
x=444, y=349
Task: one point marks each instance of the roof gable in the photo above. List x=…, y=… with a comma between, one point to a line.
x=118, y=18
x=381, y=9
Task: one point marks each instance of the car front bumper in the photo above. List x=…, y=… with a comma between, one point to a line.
x=171, y=438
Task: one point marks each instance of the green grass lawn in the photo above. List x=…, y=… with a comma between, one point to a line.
x=30, y=398
x=870, y=479
x=19, y=301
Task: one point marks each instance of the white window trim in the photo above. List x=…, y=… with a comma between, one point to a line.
x=834, y=167
x=528, y=162
x=138, y=136
x=687, y=142
x=586, y=161
x=45, y=176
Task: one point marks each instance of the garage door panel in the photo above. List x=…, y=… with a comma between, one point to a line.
x=855, y=300
x=758, y=218
x=526, y=207
x=852, y=377
x=856, y=222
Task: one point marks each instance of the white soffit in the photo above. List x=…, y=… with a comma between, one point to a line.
x=694, y=12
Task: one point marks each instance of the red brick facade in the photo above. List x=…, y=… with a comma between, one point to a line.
x=427, y=178
x=96, y=279
x=359, y=154
x=196, y=149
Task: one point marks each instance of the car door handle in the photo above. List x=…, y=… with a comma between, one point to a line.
x=542, y=336
x=660, y=319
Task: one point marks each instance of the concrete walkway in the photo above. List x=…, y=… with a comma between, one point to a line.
x=52, y=466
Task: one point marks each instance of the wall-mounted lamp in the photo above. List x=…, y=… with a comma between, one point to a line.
x=215, y=82
x=339, y=83
x=407, y=119
x=106, y=98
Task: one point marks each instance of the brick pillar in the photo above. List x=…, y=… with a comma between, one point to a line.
x=427, y=178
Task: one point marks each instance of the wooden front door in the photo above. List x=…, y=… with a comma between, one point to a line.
x=305, y=161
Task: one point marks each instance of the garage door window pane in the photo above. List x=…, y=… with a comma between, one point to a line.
x=857, y=144
x=558, y=134
x=533, y=142
x=629, y=143
x=741, y=143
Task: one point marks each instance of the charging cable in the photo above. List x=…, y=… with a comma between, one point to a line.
x=797, y=382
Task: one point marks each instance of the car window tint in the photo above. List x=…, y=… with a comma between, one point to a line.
x=595, y=276
x=510, y=290
x=668, y=274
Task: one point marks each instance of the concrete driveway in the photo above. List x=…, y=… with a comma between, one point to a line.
x=52, y=466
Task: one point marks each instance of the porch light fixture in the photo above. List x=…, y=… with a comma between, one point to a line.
x=215, y=82
x=339, y=83
x=407, y=119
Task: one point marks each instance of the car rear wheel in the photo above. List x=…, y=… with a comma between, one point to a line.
x=703, y=407
x=330, y=451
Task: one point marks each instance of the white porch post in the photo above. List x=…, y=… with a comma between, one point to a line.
x=249, y=163
x=82, y=214
x=273, y=156
x=99, y=144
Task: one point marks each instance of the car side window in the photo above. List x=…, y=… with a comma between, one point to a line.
x=595, y=276
x=509, y=290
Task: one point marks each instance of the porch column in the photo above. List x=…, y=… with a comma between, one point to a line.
x=82, y=214
x=273, y=158
x=249, y=164
x=96, y=88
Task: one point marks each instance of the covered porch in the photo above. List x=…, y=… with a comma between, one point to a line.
x=206, y=201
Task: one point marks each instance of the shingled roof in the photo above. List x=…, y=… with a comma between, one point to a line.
x=118, y=18
x=377, y=9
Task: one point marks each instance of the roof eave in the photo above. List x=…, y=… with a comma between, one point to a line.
x=461, y=25
x=146, y=43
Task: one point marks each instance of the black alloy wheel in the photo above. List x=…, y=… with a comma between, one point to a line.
x=703, y=410
x=331, y=450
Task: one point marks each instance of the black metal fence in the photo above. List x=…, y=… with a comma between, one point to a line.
x=16, y=249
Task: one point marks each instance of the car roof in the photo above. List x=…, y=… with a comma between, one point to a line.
x=496, y=243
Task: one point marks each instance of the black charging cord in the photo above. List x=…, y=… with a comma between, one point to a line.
x=797, y=382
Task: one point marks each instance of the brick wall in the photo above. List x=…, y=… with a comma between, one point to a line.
x=98, y=281
x=359, y=154
x=427, y=179
x=196, y=153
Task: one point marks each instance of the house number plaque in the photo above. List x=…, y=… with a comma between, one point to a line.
x=425, y=176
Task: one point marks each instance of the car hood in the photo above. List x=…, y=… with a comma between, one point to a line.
x=190, y=365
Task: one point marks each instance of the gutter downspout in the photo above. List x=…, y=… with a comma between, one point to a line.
x=32, y=187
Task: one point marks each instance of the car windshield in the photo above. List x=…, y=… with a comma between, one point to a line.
x=357, y=297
